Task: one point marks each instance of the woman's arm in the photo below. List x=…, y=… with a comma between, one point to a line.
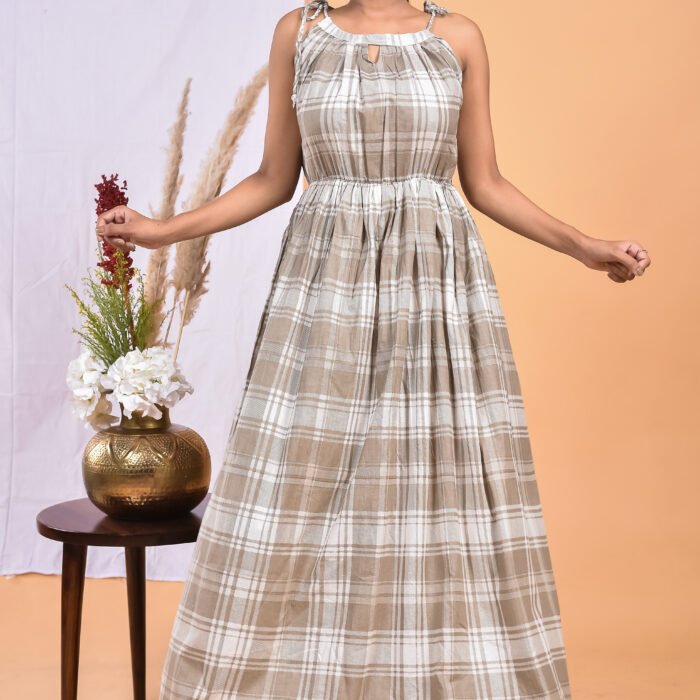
x=491, y=193
x=272, y=184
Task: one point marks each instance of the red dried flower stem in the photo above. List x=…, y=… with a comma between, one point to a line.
x=117, y=264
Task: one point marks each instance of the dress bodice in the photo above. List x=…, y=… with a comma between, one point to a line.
x=392, y=118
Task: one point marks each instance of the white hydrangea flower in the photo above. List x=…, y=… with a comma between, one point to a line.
x=85, y=377
x=136, y=402
x=102, y=416
x=86, y=369
x=142, y=379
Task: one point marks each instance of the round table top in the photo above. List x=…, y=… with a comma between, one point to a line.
x=81, y=522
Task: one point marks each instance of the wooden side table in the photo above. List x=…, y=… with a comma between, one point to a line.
x=79, y=523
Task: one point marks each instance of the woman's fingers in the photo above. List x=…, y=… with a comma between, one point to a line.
x=615, y=277
x=622, y=271
x=112, y=224
x=634, y=257
x=118, y=240
x=624, y=259
x=629, y=262
x=114, y=215
x=641, y=255
x=121, y=244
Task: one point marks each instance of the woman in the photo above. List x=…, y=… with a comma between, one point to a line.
x=375, y=530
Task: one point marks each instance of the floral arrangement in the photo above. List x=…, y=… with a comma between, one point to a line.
x=116, y=360
x=126, y=351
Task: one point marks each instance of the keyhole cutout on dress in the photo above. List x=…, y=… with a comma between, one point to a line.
x=376, y=55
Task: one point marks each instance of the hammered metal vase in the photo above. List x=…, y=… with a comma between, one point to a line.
x=146, y=468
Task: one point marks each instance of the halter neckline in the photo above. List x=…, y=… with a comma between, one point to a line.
x=310, y=11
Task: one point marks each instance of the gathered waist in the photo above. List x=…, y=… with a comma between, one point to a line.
x=382, y=191
x=368, y=181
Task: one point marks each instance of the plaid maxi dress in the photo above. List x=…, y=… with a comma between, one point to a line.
x=375, y=531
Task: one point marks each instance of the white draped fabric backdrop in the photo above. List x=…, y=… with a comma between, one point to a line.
x=88, y=88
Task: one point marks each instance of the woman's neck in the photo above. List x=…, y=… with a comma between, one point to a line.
x=379, y=9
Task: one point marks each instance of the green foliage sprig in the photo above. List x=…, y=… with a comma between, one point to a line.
x=106, y=329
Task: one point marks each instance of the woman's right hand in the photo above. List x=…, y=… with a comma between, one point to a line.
x=125, y=228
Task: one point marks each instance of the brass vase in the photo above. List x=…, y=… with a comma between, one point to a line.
x=146, y=468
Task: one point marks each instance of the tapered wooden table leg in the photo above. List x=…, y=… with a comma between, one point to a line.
x=79, y=524
x=72, y=586
x=136, y=591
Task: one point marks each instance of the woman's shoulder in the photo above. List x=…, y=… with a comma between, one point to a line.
x=462, y=33
x=289, y=23
x=457, y=24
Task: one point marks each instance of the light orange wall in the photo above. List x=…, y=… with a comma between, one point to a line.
x=596, y=109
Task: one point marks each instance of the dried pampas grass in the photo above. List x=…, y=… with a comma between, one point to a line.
x=191, y=268
x=156, y=285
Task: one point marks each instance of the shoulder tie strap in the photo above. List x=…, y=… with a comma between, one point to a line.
x=308, y=12
x=434, y=10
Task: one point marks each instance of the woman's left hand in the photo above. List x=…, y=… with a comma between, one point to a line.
x=622, y=260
